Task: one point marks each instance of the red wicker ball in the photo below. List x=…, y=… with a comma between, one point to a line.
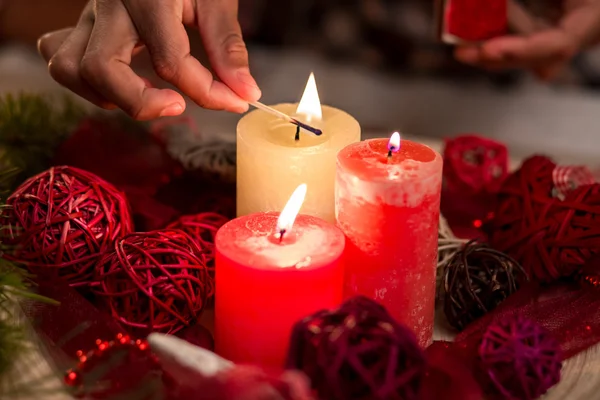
x=357, y=352
x=202, y=228
x=549, y=235
x=62, y=220
x=154, y=282
x=520, y=358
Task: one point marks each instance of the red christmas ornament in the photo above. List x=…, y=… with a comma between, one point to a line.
x=520, y=358
x=357, y=352
x=156, y=281
x=474, y=169
x=475, y=164
x=202, y=228
x=62, y=220
x=550, y=234
x=138, y=161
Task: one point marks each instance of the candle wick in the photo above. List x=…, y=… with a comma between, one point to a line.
x=309, y=128
x=390, y=152
x=281, y=233
x=297, y=137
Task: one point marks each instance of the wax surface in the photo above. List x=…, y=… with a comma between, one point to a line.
x=271, y=164
x=389, y=210
x=263, y=287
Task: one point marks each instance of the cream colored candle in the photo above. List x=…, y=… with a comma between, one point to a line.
x=271, y=163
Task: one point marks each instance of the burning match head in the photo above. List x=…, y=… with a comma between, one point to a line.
x=309, y=128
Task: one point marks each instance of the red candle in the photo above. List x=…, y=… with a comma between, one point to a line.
x=272, y=271
x=388, y=205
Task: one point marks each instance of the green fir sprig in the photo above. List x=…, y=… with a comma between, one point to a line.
x=15, y=285
x=32, y=126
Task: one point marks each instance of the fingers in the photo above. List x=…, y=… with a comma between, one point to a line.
x=222, y=37
x=106, y=66
x=163, y=33
x=546, y=51
x=63, y=50
x=49, y=44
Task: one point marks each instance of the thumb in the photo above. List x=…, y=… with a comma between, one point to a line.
x=225, y=47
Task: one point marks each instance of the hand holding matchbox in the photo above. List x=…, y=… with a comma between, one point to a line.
x=460, y=22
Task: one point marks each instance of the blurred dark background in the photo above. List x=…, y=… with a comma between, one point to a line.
x=376, y=59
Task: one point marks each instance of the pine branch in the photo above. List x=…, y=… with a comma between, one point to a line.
x=31, y=128
x=15, y=284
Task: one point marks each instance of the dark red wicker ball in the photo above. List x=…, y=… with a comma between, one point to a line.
x=62, y=220
x=476, y=280
x=154, y=282
x=520, y=359
x=202, y=228
x=551, y=236
x=357, y=352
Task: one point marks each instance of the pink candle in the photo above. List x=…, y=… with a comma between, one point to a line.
x=270, y=275
x=388, y=205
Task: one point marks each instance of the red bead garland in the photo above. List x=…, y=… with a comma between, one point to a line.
x=74, y=376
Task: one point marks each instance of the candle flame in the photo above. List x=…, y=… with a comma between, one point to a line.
x=291, y=210
x=394, y=143
x=310, y=105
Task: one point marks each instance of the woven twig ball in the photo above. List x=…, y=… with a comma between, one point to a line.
x=202, y=228
x=154, y=282
x=62, y=220
x=448, y=245
x=357, y=352
x=520, y=359
x=552, y=232
x=476, y=280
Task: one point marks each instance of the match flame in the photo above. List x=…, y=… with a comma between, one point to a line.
x=394, y=143
x=291, y=210
x=310, y=105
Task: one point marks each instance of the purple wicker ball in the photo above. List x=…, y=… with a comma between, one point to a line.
x=357, y=352
x=520, y=359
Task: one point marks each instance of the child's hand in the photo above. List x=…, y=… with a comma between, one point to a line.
x=93, y=59
x=545, y=52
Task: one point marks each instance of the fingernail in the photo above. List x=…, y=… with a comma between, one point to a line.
x=248, y=80
x=172, y=110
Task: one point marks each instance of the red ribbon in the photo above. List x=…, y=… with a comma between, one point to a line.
x=569, y=311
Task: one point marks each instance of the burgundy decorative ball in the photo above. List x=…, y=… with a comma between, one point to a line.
x=549, y=232
x=476, y=280
x=62, y=220
x=154, y=282
x=357, y=352
x=519, y=358
x=202, y=228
